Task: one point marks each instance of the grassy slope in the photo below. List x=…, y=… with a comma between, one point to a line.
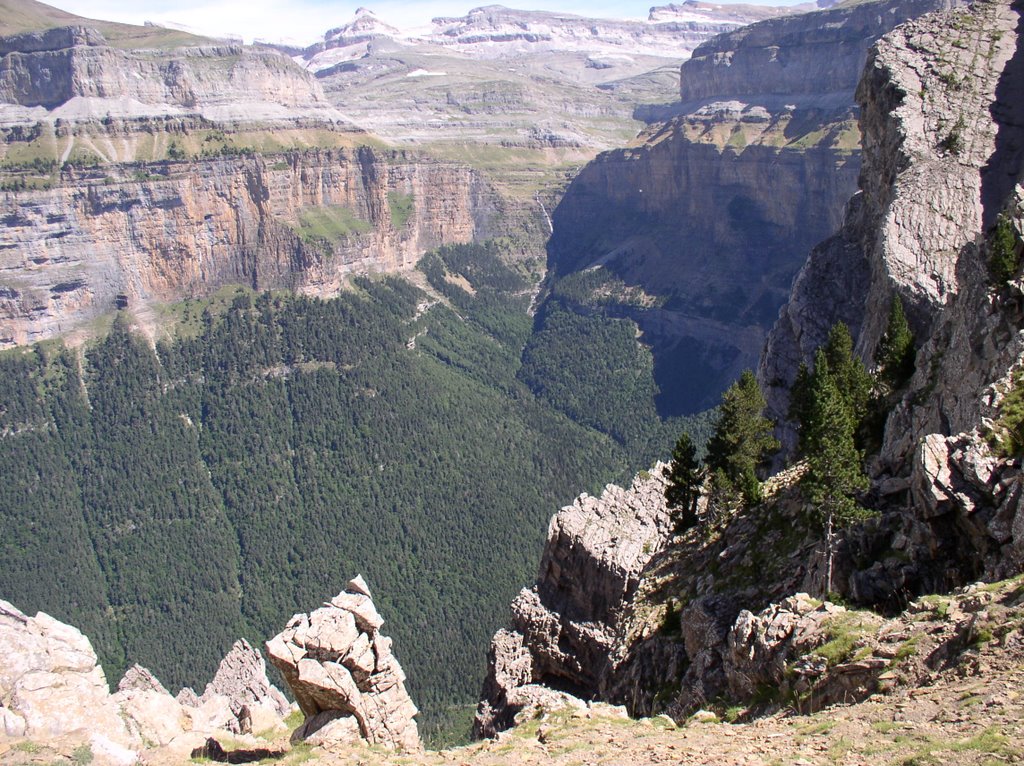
x=18, y=16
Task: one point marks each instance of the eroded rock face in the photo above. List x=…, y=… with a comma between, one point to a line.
x=78, y=251
x=242, y=677
x=73, y=75
x=565, y=626
x=343, y=675
x=910, y=228
x=940, y=120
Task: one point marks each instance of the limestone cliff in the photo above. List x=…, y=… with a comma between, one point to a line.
x=941, y=117
x=712, y=213
x=564, y=628
x=128, y=236
x=73, y=74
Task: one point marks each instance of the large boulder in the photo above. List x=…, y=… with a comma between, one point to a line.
x=343, y=675
x=50, y=681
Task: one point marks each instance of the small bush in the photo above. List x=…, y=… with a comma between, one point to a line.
x=1007, y=435
x=953, y=142
x=1003, y=250
x=82, y=755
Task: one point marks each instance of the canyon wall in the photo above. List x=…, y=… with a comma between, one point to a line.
x=712, y=213
x=71, y=73
x=103, y=240
x=941, y=125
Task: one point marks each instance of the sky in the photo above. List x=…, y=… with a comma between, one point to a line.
x=305, y=21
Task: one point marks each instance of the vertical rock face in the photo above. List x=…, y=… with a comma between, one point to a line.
x=927, y=132
x=941, y=120
x=816, y=53
x=81, y=250
x=564, y=627
x=713, y=213
x=343, y=675
x=73, y=74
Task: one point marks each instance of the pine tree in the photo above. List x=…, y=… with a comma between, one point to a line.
x=895, y=356
x=847, y=370
x=742, y=440
x=799, y=403
x=834, y=471
x=684, y=479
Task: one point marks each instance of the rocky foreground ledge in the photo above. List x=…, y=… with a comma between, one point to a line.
x=52, y=689
x=54, y=696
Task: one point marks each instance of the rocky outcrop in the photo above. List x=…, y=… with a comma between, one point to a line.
x=565, y=626
x=343, y=674
x=240, y=698
x=813, y=654
x=712, y=213
x=304, y=221
x=242, y=678
x=52, y=688
x=50, y=681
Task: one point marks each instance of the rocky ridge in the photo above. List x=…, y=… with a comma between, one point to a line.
x=938, y=123
x=712, y=212
x=501, y=86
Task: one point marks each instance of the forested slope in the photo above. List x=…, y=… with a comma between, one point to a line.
x=169, y=500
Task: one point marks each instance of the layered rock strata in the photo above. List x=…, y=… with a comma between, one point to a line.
x=343, y=674
x=72, y=74
x=564, y=628
x=712, y=213
x=304, y=221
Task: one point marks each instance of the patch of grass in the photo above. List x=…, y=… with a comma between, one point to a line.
x=733, y=713
x=839, y=748
x=937, y=604
x=82, y=755
x=814, y=729
x=332, y=223
x=28, y=746
x=884, y=727
x=991, y=740
x=294, y=720
x=907, y=649
x=844, y=631
x=300, y=753
x=401, y=206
